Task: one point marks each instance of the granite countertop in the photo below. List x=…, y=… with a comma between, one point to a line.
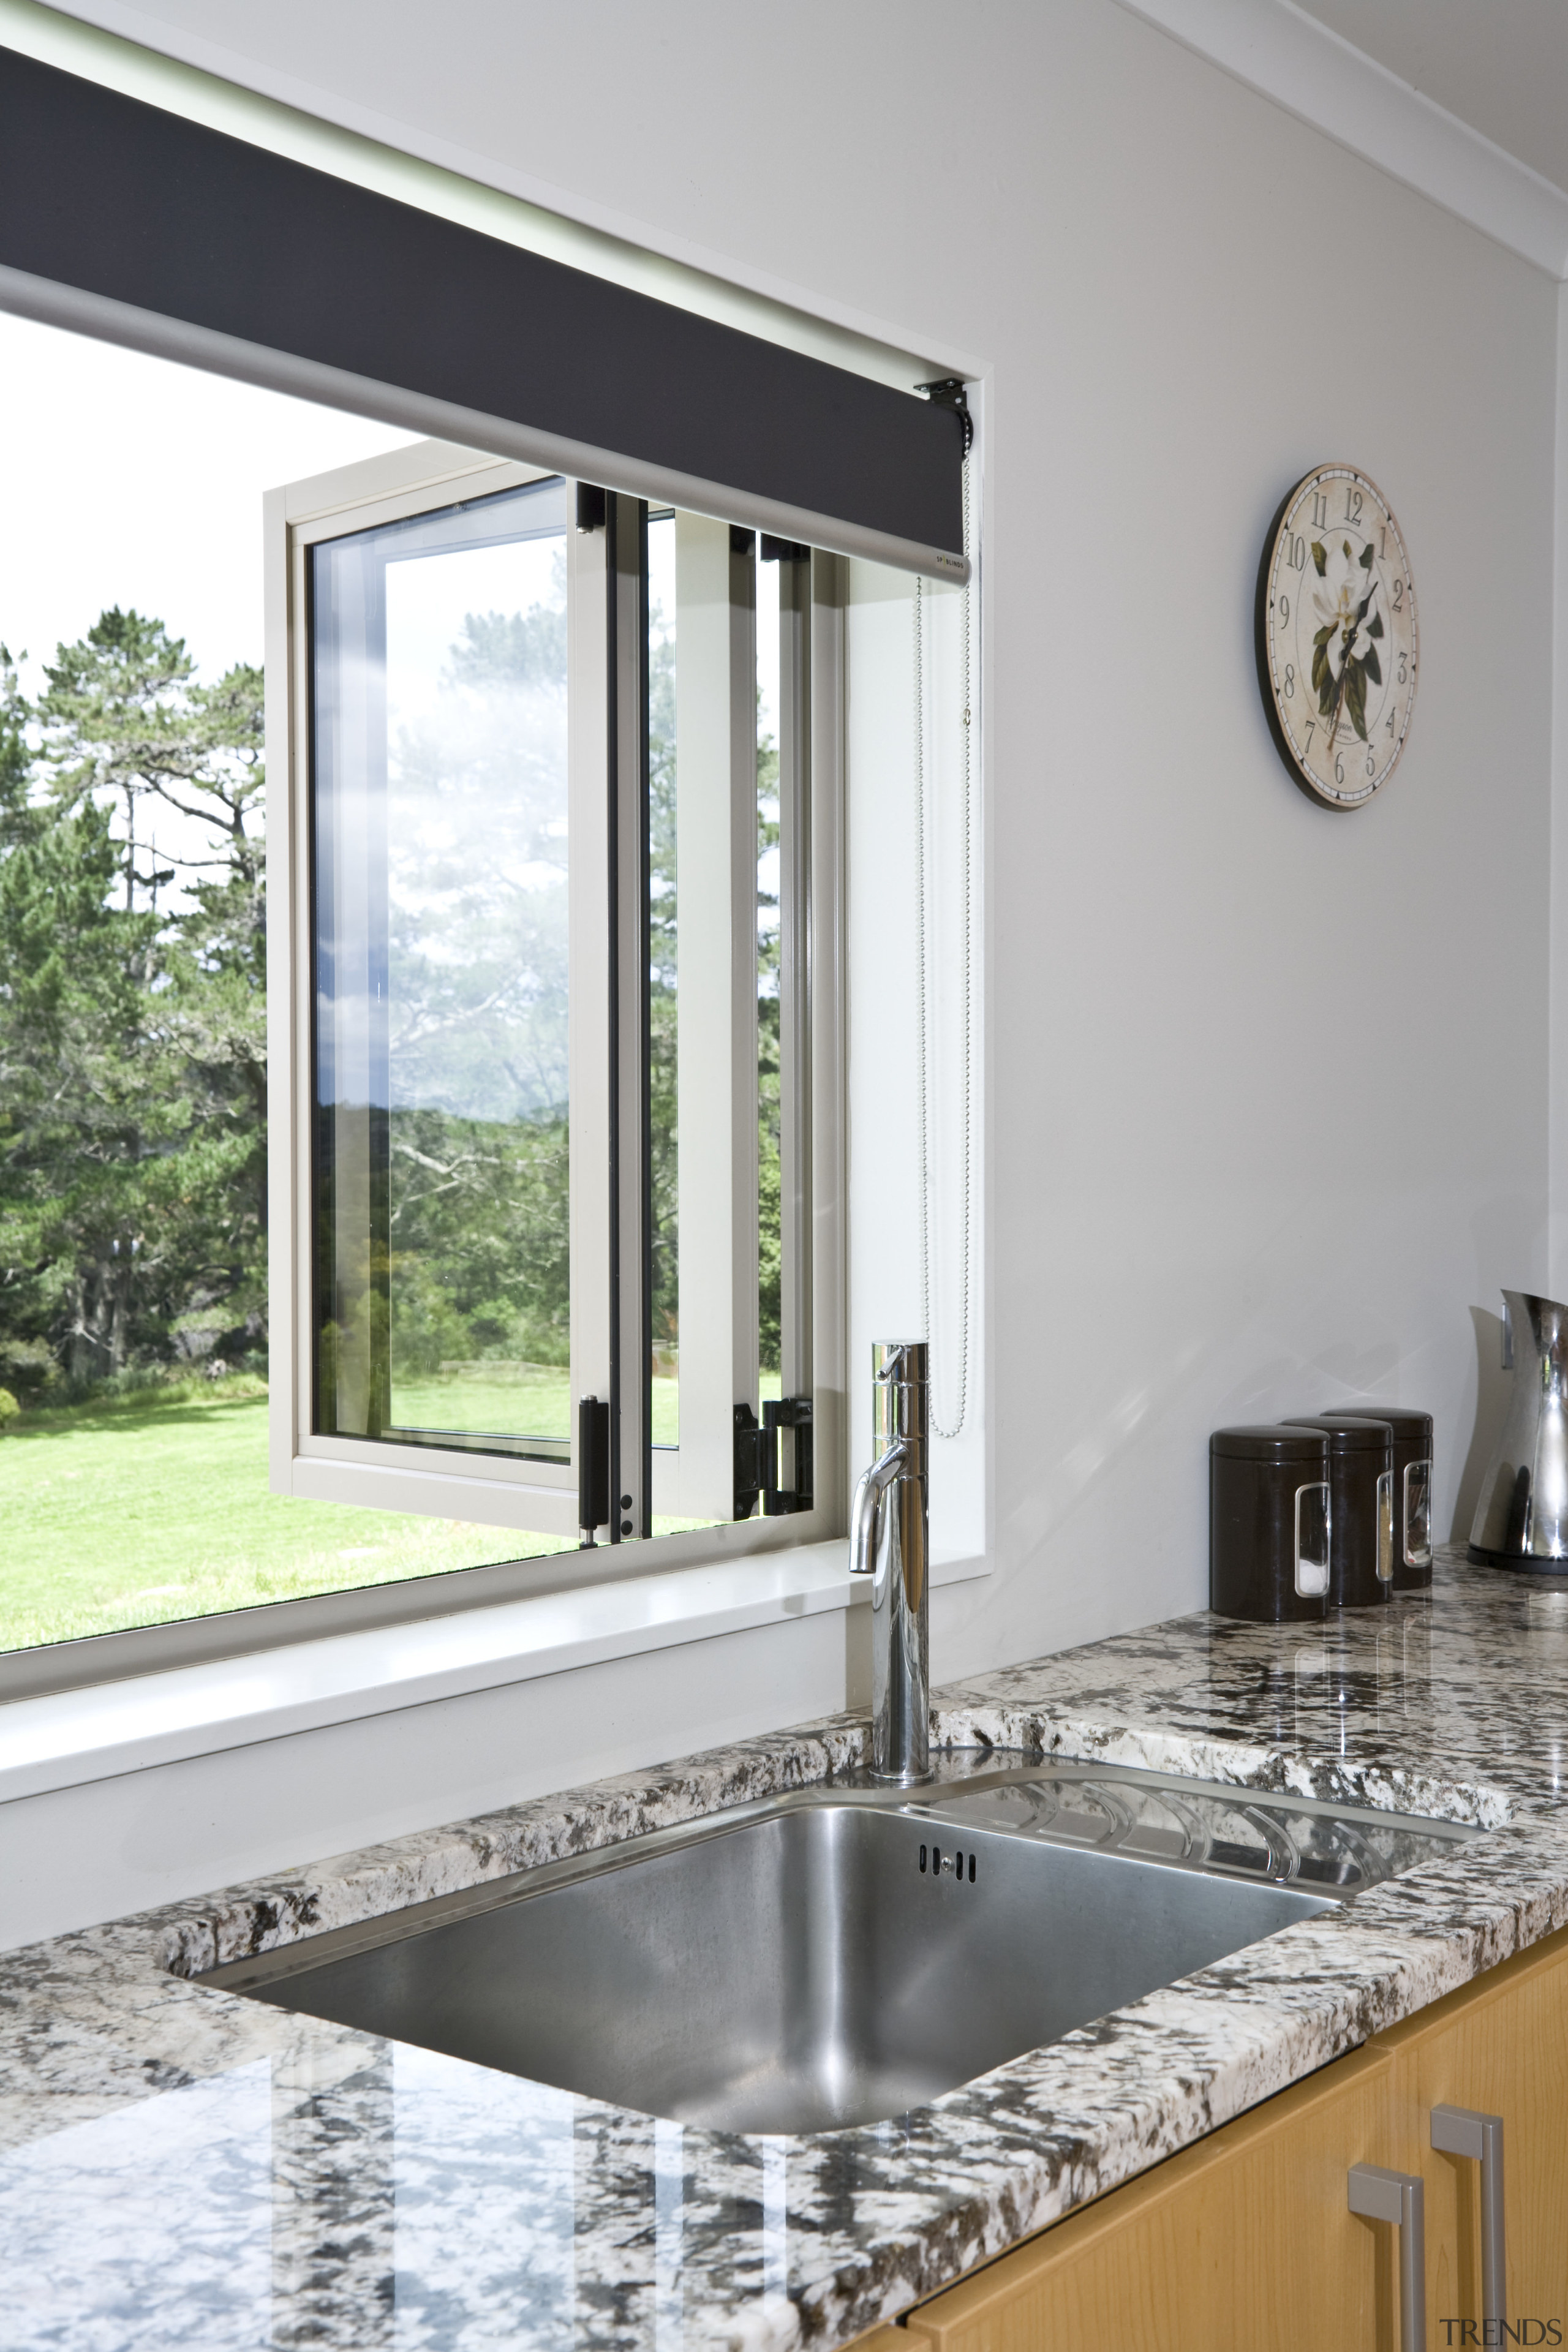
x=181, y=2167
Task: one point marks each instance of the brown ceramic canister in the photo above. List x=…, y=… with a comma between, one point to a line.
x=1268, y=1523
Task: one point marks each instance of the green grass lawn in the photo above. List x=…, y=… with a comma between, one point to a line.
x=143, y=1508
x=533, y=1403
x=140, y=1509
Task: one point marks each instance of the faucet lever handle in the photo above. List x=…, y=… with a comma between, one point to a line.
x=867, y=1510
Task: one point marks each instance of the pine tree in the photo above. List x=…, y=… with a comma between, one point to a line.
x=133, y=1043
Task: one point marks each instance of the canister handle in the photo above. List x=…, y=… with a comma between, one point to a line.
x=1312, y=1576
x=1416, y=1520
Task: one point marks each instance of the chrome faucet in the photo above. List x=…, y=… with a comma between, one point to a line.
x=889, y=1541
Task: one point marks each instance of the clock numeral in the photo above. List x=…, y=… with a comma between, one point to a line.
x=1311, y=724
x=1352, y=506
x=1295, y=554
x=1289, y=680
x=1320, y=509
x=1389, y=729
x=1371, y=763
x=1396, y=595
x=1284, y=609
x=1403, y=659
x=1339, y=769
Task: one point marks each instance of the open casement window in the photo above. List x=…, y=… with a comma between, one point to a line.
x=556, y=1042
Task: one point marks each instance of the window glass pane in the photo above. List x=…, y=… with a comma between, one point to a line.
x=663, y=999
x=442, y=1289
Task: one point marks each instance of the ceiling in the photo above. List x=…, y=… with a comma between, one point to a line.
x=1501, y=66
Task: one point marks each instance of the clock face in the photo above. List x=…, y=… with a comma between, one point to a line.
x=1336, y=637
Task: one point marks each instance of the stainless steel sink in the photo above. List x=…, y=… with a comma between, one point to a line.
x=839, y=1955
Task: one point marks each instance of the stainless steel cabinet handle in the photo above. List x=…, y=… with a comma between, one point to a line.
x=1399, y=2198
x=1461, y=2131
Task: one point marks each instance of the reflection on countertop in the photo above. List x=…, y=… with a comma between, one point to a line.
x=181, y=2167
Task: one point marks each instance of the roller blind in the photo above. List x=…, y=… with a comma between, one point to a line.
x=126, y=221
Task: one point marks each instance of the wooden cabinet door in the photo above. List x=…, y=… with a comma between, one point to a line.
x=1242, y=2243
x=1500, y=2046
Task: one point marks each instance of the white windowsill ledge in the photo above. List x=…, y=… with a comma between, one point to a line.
x=67, y=1738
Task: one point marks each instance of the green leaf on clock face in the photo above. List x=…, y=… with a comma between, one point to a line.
x=1321, y=682
x=1320, y=557
x=1366, y=557
x=1355, y=696
x=1375, y=626
x=1370, y=665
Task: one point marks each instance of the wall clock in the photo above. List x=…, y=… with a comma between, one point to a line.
x=1337, y=642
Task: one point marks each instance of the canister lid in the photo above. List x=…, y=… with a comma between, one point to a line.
x=1350, y=1433
x=1273, y=1441
x=1408, y=1426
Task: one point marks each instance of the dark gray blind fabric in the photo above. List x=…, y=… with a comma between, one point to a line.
x=124, y=202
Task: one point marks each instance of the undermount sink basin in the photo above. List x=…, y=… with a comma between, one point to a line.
x=840, y=1956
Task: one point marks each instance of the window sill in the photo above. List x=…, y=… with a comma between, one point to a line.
x=65, y=1737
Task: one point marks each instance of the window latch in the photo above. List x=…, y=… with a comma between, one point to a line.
x=757, y=1458
x=593, y=1469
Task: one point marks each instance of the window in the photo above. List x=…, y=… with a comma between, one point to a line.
x=554, y=1099
x=554, y=952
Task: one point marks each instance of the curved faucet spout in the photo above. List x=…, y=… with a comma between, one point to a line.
x=865, y=1517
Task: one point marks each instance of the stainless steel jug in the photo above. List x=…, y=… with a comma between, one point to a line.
x=1521, y=1519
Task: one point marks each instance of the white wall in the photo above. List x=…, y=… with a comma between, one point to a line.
x=1266, y=1088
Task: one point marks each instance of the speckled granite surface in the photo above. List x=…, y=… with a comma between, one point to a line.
x=179, y=2167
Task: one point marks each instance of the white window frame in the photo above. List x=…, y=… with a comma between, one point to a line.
x=535, y=1495
x=717, y=1032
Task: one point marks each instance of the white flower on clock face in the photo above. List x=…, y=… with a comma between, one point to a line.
x=1337, y=601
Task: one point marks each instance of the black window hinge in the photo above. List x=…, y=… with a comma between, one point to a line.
x=757, y=1458
x=951, y=392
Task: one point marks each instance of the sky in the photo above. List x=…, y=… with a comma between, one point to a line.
x=130, y=481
